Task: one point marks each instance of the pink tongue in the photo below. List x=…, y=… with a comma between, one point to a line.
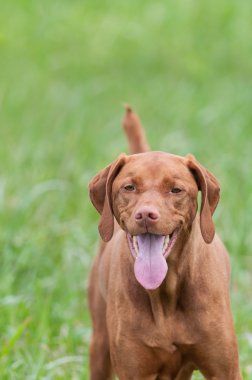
x=150, y=266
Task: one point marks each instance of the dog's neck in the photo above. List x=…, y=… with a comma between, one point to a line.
x=164, y=301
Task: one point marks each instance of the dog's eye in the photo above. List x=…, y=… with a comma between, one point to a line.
x=129, y=188
x=175, y=190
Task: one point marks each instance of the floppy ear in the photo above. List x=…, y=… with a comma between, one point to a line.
x=210, y=195
x=100, y=192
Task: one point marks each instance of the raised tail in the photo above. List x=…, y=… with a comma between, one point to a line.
x=134, y=131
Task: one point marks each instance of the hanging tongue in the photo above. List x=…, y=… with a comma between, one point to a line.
x=150, y=266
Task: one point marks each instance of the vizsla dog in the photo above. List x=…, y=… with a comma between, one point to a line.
x=159, y=287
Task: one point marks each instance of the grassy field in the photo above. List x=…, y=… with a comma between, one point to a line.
x=66, y=67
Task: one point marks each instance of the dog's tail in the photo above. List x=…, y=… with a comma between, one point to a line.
x=134, y=132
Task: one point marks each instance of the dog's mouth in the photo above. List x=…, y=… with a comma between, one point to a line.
x=150, y=252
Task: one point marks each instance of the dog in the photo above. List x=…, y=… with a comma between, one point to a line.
x=159, y=286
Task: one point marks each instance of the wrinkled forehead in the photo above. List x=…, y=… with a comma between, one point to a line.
x=156, y=166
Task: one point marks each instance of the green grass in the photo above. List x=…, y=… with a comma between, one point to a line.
x=66, y=67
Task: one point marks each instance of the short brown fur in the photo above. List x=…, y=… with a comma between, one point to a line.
x=186, y=323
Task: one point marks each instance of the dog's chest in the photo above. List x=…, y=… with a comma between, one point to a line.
x=152, y=343
x=158, y=338
x=155, y=324
x=159, y=333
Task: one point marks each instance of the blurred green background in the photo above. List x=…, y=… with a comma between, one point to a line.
x=66, y=67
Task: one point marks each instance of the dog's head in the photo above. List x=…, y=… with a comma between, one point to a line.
x=154, y=196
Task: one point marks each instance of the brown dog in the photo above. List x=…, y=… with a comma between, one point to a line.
x=151, y=322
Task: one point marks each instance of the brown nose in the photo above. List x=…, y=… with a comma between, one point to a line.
x=147, y=215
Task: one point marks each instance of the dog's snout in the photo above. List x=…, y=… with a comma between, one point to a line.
x=146, y=214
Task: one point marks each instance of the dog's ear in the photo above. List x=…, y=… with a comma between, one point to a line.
x=210, y=195
x=100, y=192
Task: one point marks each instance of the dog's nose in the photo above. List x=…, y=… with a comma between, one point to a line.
x=146, y=214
